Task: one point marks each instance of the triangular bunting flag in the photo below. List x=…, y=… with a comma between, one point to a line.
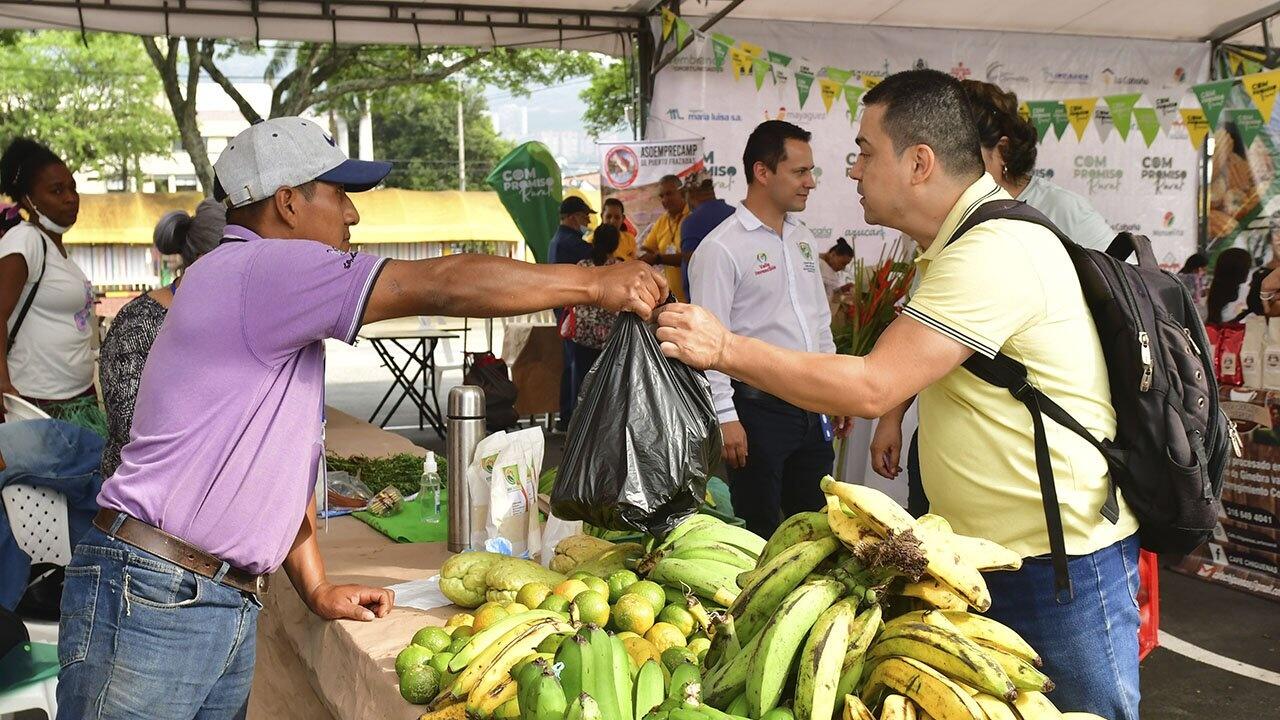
x=852, y=94
x=1060, y=119
x=682, y=31
x=1148, y=124
x=1213, y=96
x=830, y=90
x=1079, y=113
x=840, y=76
x=1249, y=122
x=1166, y=112
x=668, y=22
x=1041, y=115
x=804, y=81
x=1121, y=107
x=721, y=44
x=740, y=60
x=1262, y=88
x=751, y=49
x=699, y=43
x=1102, y=122
x=759, y=70
x=1024, y=112
x=1197, y=125
x=777, y=58
x=870, y=81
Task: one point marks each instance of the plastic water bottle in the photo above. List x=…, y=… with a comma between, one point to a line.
x=429, y=489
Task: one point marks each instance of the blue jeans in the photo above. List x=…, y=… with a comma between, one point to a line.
x=52, y=454
x=1089, y=645
x=141, y=637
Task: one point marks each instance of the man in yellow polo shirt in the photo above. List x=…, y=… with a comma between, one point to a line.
x=614, y=213
x=662, y=244
x=1004, y=286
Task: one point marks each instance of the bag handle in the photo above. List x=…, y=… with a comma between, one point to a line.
x=31, y=296
x=1127, y=243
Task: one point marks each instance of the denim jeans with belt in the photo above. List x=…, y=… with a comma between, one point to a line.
x=143, y=638
x=1089, y=645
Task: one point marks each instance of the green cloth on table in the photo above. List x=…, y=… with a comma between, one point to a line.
x=407, y=526
x=26, y=664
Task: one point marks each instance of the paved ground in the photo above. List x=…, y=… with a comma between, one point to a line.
x=1219, y=620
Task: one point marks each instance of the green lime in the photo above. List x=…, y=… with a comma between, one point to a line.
x=619, y=582
x=462, y=631
x=590, y=607
x=672, y=657
x=551, y=644
x=555, y=603
x=595, y=583
x=699, y=647
x=652, y=591
x=457, y=644
x=419, y=684
x=410, y=656
x=633, y=613
x=532, y=594
x=779, y=713
x=441, y=662
x=678, y=616
x=580, y=575
x=432, y=638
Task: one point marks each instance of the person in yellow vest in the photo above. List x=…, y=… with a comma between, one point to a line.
x=662, y=244
x=613, y=213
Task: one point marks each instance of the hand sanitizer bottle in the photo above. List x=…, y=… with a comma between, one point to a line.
x=429, y=489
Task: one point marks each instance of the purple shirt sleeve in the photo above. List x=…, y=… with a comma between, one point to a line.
x=301, y=291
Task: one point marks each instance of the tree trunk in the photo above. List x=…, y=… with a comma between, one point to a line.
x=183, y=107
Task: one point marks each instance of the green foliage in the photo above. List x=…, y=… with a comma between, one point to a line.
x=417, y=129
x=607, y=98
x=94, y=105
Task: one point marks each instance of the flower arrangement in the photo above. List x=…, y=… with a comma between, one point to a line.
x=873, y=299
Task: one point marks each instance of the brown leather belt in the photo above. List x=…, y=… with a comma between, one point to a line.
x=179, y=552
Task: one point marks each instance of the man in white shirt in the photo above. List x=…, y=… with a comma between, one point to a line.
x=758, y=273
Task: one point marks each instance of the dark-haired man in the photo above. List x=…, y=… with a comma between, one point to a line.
x=215, y=488
x=662, y=243
x=757, y=271
x=706, y=212
x=1004, y=286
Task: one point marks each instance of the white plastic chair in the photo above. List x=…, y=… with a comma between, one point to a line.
x=37, y=696
x=38, y=519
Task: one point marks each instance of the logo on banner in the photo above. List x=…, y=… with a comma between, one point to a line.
x=1160, y=171
x=1094, y=170
x=1179, y=75
x=875, y=232
x=961, y=72
x=1043, y=173
x=1110, y=77
x=674, y=114
x=718, y=171
x=998, y=75
x=526, y=182
x=622, y=166
x=1168, y=218
x=1060, y=77
x=1127, y=227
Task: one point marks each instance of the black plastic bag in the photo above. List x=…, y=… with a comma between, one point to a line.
x=490, y=374
x=643, y=441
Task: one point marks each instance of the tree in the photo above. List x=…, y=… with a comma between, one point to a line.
x=325, y=76
x=417, y=130
x=92, y=102
x=607, y=99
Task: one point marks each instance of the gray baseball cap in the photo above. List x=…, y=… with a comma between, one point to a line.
x=287, y=152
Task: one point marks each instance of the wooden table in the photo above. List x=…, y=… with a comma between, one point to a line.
x=311, y=669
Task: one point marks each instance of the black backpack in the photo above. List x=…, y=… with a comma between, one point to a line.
x=1171, y=436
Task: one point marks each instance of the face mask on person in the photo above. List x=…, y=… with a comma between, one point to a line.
x=44, y=221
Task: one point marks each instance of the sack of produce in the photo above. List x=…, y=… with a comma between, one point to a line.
x=643, y=441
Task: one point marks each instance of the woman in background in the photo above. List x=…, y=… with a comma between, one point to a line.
x=125, y=349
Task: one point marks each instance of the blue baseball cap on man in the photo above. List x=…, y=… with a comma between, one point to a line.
x=287, y=152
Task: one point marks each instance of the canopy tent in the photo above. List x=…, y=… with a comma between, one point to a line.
x=387, y=216
x=607, y=25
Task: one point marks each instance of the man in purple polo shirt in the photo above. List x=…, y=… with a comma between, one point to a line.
x=215, y=488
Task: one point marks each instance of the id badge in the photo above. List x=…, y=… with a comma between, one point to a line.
x=827, y=431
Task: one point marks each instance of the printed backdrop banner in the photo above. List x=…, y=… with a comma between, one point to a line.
x=631, y=171
x=1151, y=190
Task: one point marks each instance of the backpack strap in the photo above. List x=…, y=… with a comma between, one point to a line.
x=31, y=296
x=1005, y=372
